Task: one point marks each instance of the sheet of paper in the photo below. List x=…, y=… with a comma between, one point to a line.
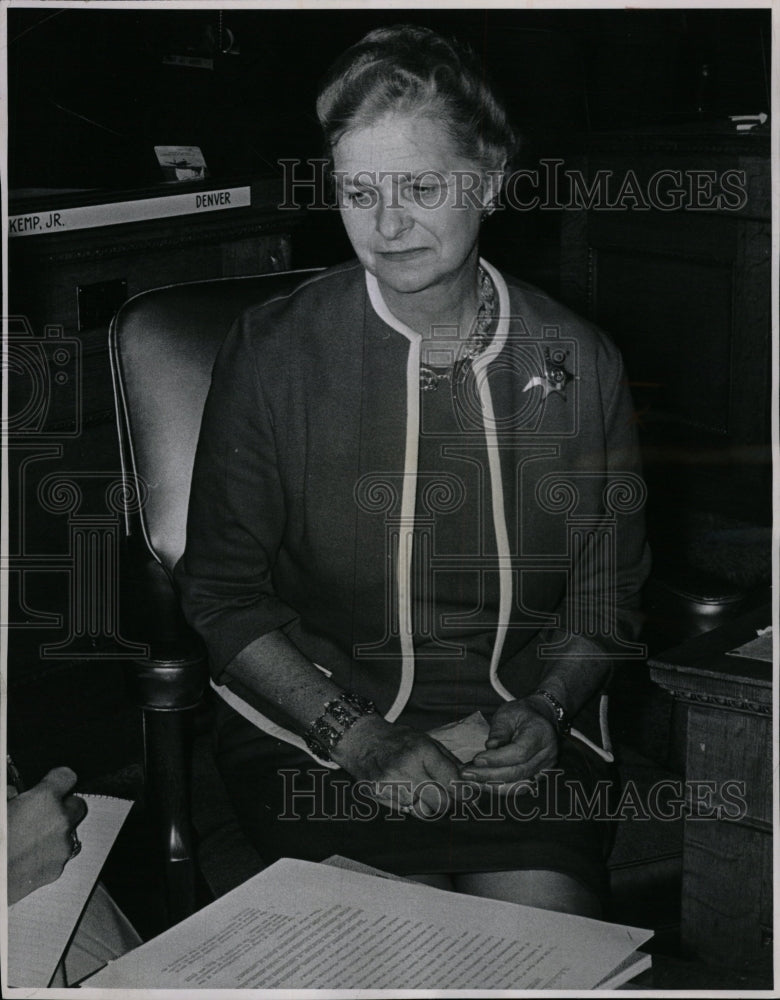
x=40, y=925
x=637, y=962
x=299, y=925
x=759, y=648
x=626, y=971
x=464, y=738
x=339, y=861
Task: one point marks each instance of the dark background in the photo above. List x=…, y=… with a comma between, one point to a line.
x=89, y=95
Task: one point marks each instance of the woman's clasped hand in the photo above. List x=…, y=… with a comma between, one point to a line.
x=402, y=767
x=521, y=744
x=409, y=770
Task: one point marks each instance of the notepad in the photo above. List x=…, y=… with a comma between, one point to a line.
x=41, y=924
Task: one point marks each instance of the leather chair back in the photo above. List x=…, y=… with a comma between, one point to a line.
x=163, y=344
x=162, y=347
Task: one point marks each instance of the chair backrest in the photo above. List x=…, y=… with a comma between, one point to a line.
x=162, y=345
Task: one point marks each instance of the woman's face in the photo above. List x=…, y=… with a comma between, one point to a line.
x=410, y=203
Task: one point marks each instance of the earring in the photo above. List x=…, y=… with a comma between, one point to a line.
x=488, y=209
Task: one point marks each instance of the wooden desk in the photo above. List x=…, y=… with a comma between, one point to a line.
x=61, y=400
x=727, y=863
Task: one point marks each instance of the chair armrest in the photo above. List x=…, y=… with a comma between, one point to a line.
x=168, y=686
x=174, y=672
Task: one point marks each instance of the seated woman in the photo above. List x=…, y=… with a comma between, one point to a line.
x=416, y=496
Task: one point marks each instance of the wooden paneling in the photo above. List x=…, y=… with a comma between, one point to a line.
x=685, y=293
x=724, y=919
x=745, y=758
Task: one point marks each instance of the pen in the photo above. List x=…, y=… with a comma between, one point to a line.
x=13, y=776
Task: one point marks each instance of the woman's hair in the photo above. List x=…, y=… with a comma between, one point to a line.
x=409, y=69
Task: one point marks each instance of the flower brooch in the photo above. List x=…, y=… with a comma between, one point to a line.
x=555, y=377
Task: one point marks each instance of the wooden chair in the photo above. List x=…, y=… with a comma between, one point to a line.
x=162, y=345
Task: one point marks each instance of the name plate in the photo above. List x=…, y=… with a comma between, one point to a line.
x=115, y=213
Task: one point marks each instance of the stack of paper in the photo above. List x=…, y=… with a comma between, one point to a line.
x=299, y=925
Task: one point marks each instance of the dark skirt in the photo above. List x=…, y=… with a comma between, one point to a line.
x=291, y=807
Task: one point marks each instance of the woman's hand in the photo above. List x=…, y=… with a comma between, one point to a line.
x=408, y=769
x=522, y=742
x=41, y=822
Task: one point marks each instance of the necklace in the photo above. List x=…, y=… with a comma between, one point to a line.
x=478, y=340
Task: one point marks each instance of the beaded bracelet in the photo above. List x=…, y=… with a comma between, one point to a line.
x=321, y=737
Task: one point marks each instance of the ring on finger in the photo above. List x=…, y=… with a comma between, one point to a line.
x=75, y=845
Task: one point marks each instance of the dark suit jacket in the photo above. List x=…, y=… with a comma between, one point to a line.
x=305, y=480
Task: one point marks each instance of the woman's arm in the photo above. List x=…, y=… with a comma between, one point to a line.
x=237, y=520
x=401, y=762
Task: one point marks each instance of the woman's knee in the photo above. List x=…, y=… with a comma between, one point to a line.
x=439, y=880
x=548, y=890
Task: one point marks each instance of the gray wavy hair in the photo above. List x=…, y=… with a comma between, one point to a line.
x=413, y=70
